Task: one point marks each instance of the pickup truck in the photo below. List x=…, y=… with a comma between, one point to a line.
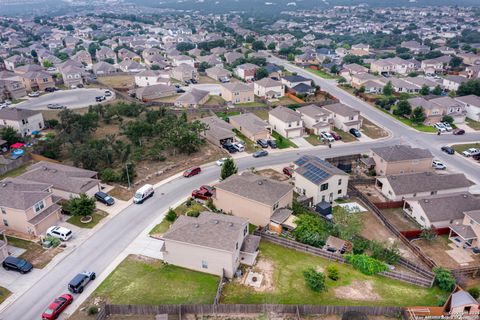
x=204, y=193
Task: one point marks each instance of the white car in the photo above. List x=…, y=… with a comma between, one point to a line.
x=327, y=136
x=438, y=165
x=470, y=152
x=34, y=94
x=440, y=127
x=240, y=147
x=61, y=233
x=220, y=162
x=447, y=126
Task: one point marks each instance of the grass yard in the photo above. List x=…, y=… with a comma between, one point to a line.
x=314, y=140
x=262, y=114
x=346, y=136
x=35, y=253
x=288, y=285
x=160, y=228
x=121, y=193
x=282, y=142
x=250, y=146
x=118, y=81
x=215, y=100
x=4, y=294
x=462, y=147
x=226, y=114
x=408, y=122
x=322, y=74
x=205, y=79
x=372, y=130
x=473, y=124
x=398, y=218
x=97, y=217
x=251, y=104
x=141, y=280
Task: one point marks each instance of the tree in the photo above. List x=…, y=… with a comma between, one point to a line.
x=315, y=280
x=333, y=273
x=229, y=168
x=311, y=230
x=171, y=215
x=258, y=45
x=437, y=90
x=425, y=90
x=448, y=119
x=271, y=46
x=452, y=94
x=203, y=66
x=249, y=39
x=47, y=64
x=428, y=234
x=346, y=224
x=80, y=206
x=455, y=62
x=261, y=73
x=388, y=89
x=444, y=279
x=469, y=87
x=92, y=48
x=418, y=115
x=185, y=46
x=387, y=253
x=334, y=69
x=403, y=108
x=10, y=135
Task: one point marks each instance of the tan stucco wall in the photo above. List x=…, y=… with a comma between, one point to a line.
x=305, y=186
x=384, y=168
x=295, y=131
x=252, y=136
x=242, y=97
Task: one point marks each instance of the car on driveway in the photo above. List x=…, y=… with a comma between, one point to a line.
x=448, y=150
x=229, y=147
x=34, y=94
x=108, y=93
x=440, y=127
x=238, y=146
x=260, y=153
x=61, y=233
x=104, y=198
x=458, y=132
x=327, y=136
x=17, y=264
x=438, y=165
x=447, y=126
x=470, y=152
x=335, y=135
x=288, y=171
x=50, y=89
x=78, y=283
x=204, y=192
x=355, y=132
x=221, y=161
x=262, y=143
x=272, y=144
x=192, y=172
x=56, y=307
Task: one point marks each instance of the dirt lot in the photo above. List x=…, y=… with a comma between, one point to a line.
x=35, y=253
x=372, y=130
x=121, y=81
x=371, y=192
x=357, y=290
x=400, y=220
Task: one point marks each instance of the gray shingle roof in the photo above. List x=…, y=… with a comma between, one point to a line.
x=193, y=96
x=314, y=111
x=342, y=109
x=448, y=207
x=281, y=215
x=218, y=128
x=402, y=153
x=16, y=114
x=426, y=181
x=250, y=122
x=255, y=187
x=285, y=114
x=22, y=194
x=466, y=232
x=462, y=298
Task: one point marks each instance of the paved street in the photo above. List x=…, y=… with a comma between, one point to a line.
x=72, y=99
x=110, y=240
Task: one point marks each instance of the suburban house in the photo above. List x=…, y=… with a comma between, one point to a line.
x=352, y=69
x=246, y=71
x=415, y=47
x=3, y=245
x=274, y=71
x=105, y=53
x=131, y=66
x=453, y=82
x=268, y=88
x=472, y=106
x=218, y=73
x=192, y=98
x=436, y=108
x=231, y=57
x=218, y=132
x=83, y=57
x=319, y=180
x=182, y=59
x=72, y=75
x=35, y=78
x=156, y=91
x=65, y=181
x=127, y=55
x=22, y=120
x=392, y=66
x=150, y=77
x=441, y=211
x=103, y=68
x=401, y=159
x=237, y=92
x=286, y=122
x=184, y=72
x=211, y=60
x=252, y=197
x=467, y=233
x=433, y=66
x=344, y=117
x=470, y=59
x=211, y=243
x=294, y=80
x=396, y=187
x=32, y=210
x=251, y=126
x=316, y=119
x=11, y=86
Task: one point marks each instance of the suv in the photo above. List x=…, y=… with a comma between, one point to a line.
x=438, y=165
x=229, y=147
x=78, y=283
x=104, y=198
x=59, y=232
x=272, y=144
x=355, y=132
x=262, y=143
x=16, y=264
x=447, y=126
x=192, y=172
x=238, y=146
x=100, y=98
x=471, y=152
x=327, y=136
x=448, y=150
x=440, y=127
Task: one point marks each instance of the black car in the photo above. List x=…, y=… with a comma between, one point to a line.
x=78, y=283
x=104, y=198
x=51, y=89
x=260, y=153
x=448, y=150
x=100, y=98
x=16, y=264
x=262, y=143
x=355, y=132
x=272, y=144
x=229, y=147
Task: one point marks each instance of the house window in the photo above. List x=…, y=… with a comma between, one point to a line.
x=5, y=222
x=289, y=125
x=236, y=246
x=204, y=264
x=3, y=210
x=339, y=182
x=39, y=206
x=245, y=231
x=324, y=187
x=339, y=191
x=323, y=198
x=433, y=193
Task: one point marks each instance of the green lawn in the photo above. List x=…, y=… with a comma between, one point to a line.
x=160, y=228
x=346, y=136
x=251, y=104
x=314, y=140
x=473, y=124
x=462, y=147
x=262, y=114
x=289, y=286
x=35, y=253
x=226, y=114
x=97, y=217
x=151, y=282
x=282, y=142
x=408, y=122
x=322, y=74
x=250, y=146
x=4, y=294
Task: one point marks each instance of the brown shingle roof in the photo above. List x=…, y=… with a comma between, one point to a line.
x=426, y=181
x=402, y=153
x=448, y=207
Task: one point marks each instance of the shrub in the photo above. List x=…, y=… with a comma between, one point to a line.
x=444, y=279
x=388, y=254
x=315, y=280
x=92, y=310
x=365, y=264
x=311, y=230
x=188, y=203
x=54, y=241
x=193, y=212
x=171, y=215
x=360, y=245
x=210, y=205
x=108, y=175
x=474, y=292
x=333, y=273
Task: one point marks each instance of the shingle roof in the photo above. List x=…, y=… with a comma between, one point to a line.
x=313, y=111
x=315, y=169
x=281, y=215
x=237, y=86
x=268, y=83
x=466, y=232
x=218, y=128
x=22, y=194
x=402, y=153
x=448, y=207
x=16, y=114
x=255, y=187
x=250, y=122
x=342, y=109
x=285, y=114
x=426, y=181
x=471, y=99
x=462, y=298
x=193, y=96
x=295, y=78
x=212, y=230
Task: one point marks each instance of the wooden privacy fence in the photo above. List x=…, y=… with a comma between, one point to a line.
x=218, y=294
x=389, y=204
x=422, y=278
x=200, y=309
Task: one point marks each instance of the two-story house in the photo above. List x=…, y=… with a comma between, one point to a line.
x=184, y=72
x=246, y=71
x=22, y=120
x=472, y=106
x=251, y=126
x=286, y=122
x=344, y=117
x=268, y=88
x=399, y=159
x=237, y=92
x=316, y=119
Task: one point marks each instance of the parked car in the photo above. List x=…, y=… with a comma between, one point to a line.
x=238, y=146
x=34, y=94
x=204, y=193
x=438, y=165
x=476, y=157
x=108, y=93
x=260, y=153
x=471, y=152
x=143, y=193
x=448, y=150
x=355, y=132
x=440, y=127
x=104, y=198
x=78, y=283
x=100, y=98
x=55, y=106
x=272, y=144
x=221, y=161
x=50, y=89
x=262, y=143
x=192, y=172
x=327, y=136
x=458, y=132
x=229, y=147
x=288, y=171
x=17, y=264
x=447, y=126
x=57, y=306
x=335, y=135
x=61, y=233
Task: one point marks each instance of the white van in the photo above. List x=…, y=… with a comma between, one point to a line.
x=143, y=193
x=59, y=232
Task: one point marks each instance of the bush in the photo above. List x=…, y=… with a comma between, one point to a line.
x=188, y=203
x=315, y=280
x=474, y=292
x=210, y=205
x=388, y=254
x=171, y=215
x=54, y=241
x=360, y=245
x=311, y=230
x=92, y=310
x=108, y=175
x=365, y=264
x=333, y=273
x=192, y=212
x=444, y=279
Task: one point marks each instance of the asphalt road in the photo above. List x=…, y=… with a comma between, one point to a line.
x=111, y=239
x=72, y=99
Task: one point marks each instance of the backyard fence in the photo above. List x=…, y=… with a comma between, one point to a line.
x=389, y=204
x=221, y=282
x=13, y=164
x=202, y=309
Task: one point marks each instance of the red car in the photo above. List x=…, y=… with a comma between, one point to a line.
x=288, y=171
x=191, y=172
x=204, y=193
x=335, y=136
x=57, y=307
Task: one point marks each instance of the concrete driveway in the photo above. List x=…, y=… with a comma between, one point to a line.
x=72, y=99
